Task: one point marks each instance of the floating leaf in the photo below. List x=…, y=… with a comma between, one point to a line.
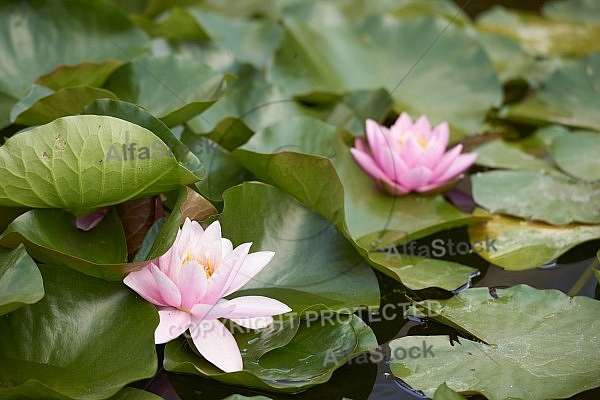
x=314, y=63
x=313, y=263
x=500, y=154
x=569, y=96
x=553, y=199
x=38, y=109
x=82, y=74
x=524, y=245
x=96, y=32
x=419, y=273
x=172, y=88
x=541, y=36
x=81, y=163
x=291, y=154
x=20, y=280
x=539, y=344
x=307, y=360
x=38, y=363
x=577, y=154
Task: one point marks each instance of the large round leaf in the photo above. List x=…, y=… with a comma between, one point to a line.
x=293, y=153
x=578, y=154
x=524, y=245
x=313, y=61
x=569, y=96
x=171, y=88
x=538, y=344
x=308, y=359
x=84, y=162
x=553, y=199
x=313, y=263
x=85, y=339
x=43, y=106
x=30, y=32
x=20, y=280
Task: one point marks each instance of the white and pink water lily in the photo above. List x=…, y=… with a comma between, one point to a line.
x=410, y=156
x=188, y=285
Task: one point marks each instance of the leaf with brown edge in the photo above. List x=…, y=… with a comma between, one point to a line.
x=196, y=207
x=137, y=216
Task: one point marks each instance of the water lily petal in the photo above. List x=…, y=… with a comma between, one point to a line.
x=367, y=164
x=412, y=153
x=422, y=127
x=445, y=162
x=460, y=164
x=252, y=265
x=144, y=284
x=256, y=306
x=360, y=145
x=442, y=133
x=214, y=341
x=167, y=288
x=192, y=283
x=172, y=323
x=377, y=136
x=416, y=177
x=90, y=221
x=220, y=281
x=393, y=188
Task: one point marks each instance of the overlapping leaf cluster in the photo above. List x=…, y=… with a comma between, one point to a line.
x=246, y=111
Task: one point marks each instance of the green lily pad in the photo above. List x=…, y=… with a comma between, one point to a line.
x=586, y=11
x=314, y=63
x=443, y=392
x=135, y=394
x=419, y=273
x=20, y=280
x=577, y=154
x=538, y=344
x=172, y=88
x=524, y=244
x=247, y=106
x=41, y=107
x=549, y=198
x=137, y=115
x=540, y=36
x=83, y=74
x=79, y=163
x=307, y=360
x=38, y=363
x=51, y=236
x=96, y=32
x=248, y=41
x=313, y=264
x=569, y=96
x=291, y=154
x=503, y=155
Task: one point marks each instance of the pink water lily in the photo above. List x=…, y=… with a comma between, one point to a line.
x=188, y=283
x=410, y=157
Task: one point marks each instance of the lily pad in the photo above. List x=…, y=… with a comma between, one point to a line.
x=314, y=63
x=313, y=264
x=135, y=394
x=172, y=88
x=549, y=198
x=578, y=154
x=500, y=154
x=524, y=244
x=541, y=36
x=80, y=163
x=83, y=74
x=307, y=360
x=38, y=363
x=538, y=344
x=291, y=154
x=41, y=108
x=419, y=273
x=20, y=280
x=586, y=11
x=569, y=96
x=96, y=32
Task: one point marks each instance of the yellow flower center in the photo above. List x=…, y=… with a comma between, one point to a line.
x=422, y=142
x=205, y=263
